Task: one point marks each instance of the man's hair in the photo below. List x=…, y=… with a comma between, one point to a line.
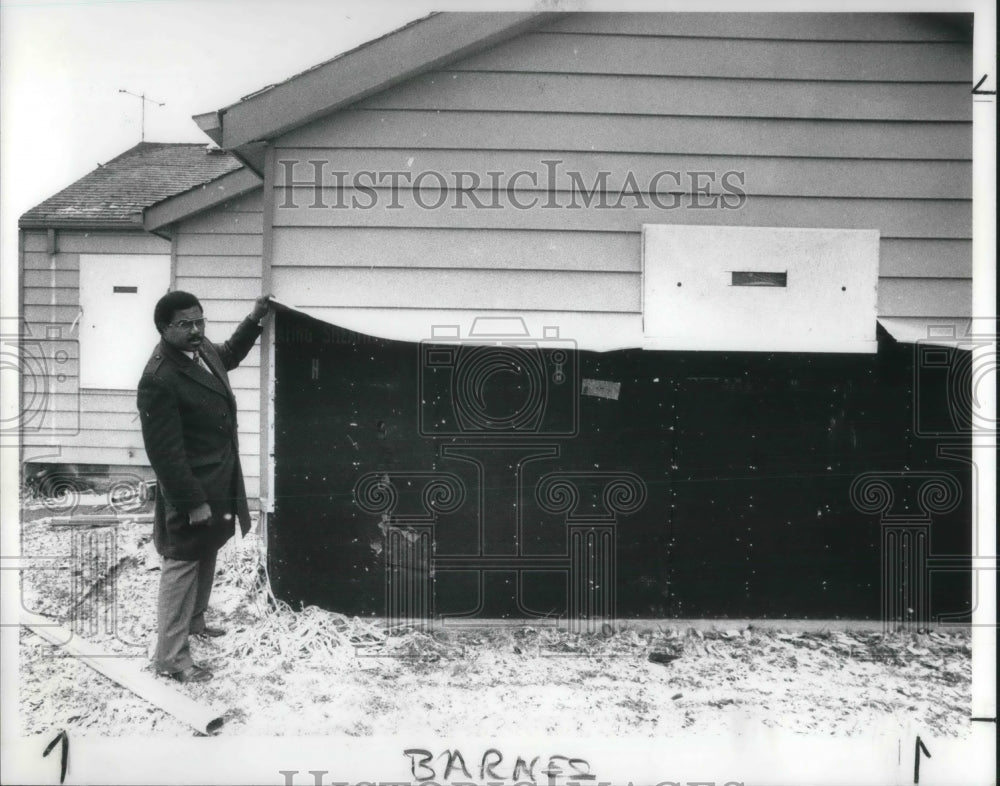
x=177, y=300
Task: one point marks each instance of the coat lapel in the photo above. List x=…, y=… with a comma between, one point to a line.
x=211, y=357
x=195, y=372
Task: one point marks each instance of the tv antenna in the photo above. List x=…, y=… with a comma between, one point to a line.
x=143, y=101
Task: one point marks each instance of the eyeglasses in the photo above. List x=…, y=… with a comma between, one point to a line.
x=187, y=324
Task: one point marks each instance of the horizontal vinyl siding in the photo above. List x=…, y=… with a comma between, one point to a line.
x=450, y=248
x=455, y=249
x=669, y=134
x=113, y=418
x=231, y=267
x=62, y=451
x=43, y=279
x=938, y=297
x=449, y=289
x=936, y=258
x=59, y=296
x=924, y=218
x=778, y=26
x=213, y=244
x=220, y=289
x=225, y=223
x=103, y=435
x=842, y=121
x=70, y=454
x=686, y=96
x=60, y=317
x=63, y=423
x=575, y=170
x=669, y=55
x=122, y=440
x=78, y=242
x=95, y=407
x=219, y=260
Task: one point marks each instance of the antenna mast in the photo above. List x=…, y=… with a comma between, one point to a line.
x=143, y=100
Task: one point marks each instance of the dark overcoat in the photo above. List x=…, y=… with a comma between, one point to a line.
x=189, y=428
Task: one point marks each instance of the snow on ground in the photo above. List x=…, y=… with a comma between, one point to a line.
x=311, y=672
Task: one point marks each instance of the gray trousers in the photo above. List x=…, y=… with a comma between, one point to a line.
x=185, y=587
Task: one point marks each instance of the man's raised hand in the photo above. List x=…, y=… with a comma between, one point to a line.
x=261, y=308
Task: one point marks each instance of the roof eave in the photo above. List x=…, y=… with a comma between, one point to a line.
x=80, y=223
x=211, y=124
x=203, y=197
x=369, y=69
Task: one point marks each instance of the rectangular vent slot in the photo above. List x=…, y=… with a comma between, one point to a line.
x=753, y=278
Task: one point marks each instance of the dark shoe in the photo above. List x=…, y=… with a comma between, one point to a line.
x=192, y=673
x=210, y=632
x=663, y=658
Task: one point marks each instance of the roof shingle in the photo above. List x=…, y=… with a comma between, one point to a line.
x=113, y=194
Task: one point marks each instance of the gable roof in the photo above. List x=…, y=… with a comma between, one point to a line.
x=114, y=195
x=374, y=66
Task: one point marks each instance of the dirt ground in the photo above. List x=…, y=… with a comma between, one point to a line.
x=281, y=671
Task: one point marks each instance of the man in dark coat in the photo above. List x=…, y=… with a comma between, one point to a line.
x=188, y=415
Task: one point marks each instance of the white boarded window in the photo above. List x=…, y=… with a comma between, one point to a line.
x=768, y=289
x=117, y=335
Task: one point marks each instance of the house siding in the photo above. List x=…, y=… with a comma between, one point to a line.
x=858, y=121
x=845, y=122
x=218, y=258
x=216, y=255
x=63, y=423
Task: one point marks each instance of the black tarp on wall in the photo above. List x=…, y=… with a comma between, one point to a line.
x=706, y=484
